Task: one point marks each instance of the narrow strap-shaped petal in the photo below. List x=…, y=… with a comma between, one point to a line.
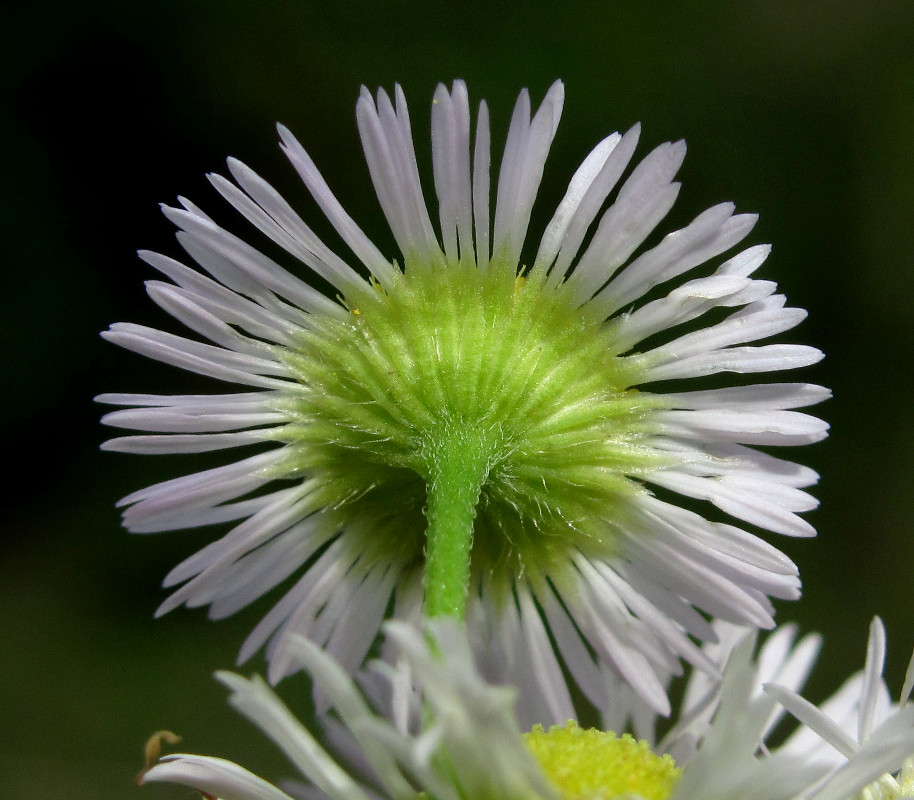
x=387, y=142
x=643, y=201
x=183, y=306
x=908, y=685
x=747, y=503
x=251, y=261
x=286, y=508
x=812, y=718
x=266, y=209
x=630, y=662
x=577, y=658
x=551, y=683
x=215, y=777
x=587, y=192
x=759, y=320
x=722, y=538
x=481, y=188
x=451, y=165
x=260, y=705
x=353, y=709
x=746, y=426
x=743, y=360
x=297, y=607
x=522, y=169
x=578, y=188
x=265, y=317
x=208, y=487
x=183, y=443
x=194, y=403
x=758, y=397
x=706, y=587
x=260, y=571
x=197, y=357
x=712, y=232
x=357, y=241
x=671, y=633
x=872, y=679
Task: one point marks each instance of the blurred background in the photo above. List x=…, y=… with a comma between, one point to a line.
x=802, y=112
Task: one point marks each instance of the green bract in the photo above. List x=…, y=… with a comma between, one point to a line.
x=508, y=372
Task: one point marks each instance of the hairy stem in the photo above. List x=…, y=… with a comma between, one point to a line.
x=458, y=466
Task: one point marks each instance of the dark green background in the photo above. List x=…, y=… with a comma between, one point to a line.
x=801, y=111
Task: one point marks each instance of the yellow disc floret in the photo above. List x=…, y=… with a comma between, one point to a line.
x=587, y=764
x=891, y=787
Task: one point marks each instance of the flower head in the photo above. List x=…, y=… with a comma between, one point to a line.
x=465, y=742
x=472, y=432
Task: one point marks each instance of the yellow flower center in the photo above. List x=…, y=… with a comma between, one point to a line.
x=892, y=787
x=587, y=764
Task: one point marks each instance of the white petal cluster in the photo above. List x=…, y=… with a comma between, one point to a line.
x=633, y=615
x=859, y=735
x=857, y=739
x=466, y=742
x=444, y=751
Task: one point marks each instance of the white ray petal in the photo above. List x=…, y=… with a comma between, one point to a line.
x=358, y=242
x=481, y=188
x=711, y=233
x=215, y=777
x=255, y=700
x=522, y=169
x=643, y=201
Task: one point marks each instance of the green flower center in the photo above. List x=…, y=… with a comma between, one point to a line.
x=595, y=765
x=485, y=379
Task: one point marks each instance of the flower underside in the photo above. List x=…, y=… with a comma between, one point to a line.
x=517, y=371
x=467, y=436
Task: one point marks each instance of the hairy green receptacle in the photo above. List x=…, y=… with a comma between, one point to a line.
x=474, y=406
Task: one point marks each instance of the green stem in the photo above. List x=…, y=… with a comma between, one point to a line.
x=458, y=465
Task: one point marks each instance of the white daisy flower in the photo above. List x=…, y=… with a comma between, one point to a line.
x=471, y=433
x=465, y=743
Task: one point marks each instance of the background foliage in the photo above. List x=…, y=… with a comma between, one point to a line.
x=803, y=112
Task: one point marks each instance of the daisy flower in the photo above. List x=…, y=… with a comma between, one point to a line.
x=465, y=431
x=444, y=749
